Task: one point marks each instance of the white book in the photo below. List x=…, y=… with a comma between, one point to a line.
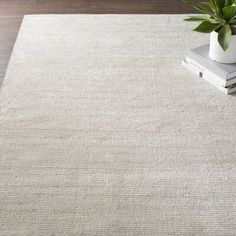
x=201, y=55
x=227, y=90
x=210, y=74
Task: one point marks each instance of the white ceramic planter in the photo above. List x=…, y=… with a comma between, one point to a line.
x=218, y=54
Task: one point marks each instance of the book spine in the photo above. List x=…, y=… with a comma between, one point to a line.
x=223, y=89
x=199, y=73
x=232, y=90
x=192, y=68
x=208, y=73
x=206, y=64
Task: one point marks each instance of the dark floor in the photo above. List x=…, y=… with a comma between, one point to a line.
x=12, y=12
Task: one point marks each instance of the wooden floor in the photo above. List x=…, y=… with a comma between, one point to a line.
x=12, y=12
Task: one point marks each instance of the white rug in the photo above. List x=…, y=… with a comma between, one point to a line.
x=104, y=133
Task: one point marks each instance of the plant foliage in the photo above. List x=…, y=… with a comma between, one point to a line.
x=218, y=15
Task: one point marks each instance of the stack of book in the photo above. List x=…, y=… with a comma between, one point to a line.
x=222, y=76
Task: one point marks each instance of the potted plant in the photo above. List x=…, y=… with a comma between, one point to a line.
x=219, y=19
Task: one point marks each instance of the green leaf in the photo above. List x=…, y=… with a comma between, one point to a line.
x=206, y=18
x=224, y=37
x=210, y=5
x=228, y=3
x=219, y=4
x=233, y=22
x=234, y=18
x=221, y=21
x=198, y=18
x=198, y=7
x=207, y=27
x=229, y=12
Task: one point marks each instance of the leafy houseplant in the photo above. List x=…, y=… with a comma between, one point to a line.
x=219, y=19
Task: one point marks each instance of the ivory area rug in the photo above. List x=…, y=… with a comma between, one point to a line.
x=104, y=133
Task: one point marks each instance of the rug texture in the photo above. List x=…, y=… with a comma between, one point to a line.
x=104, y=133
